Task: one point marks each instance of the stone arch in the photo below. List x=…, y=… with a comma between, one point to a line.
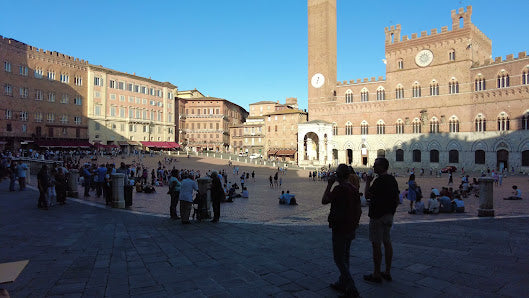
x=502, y=144
x=434, y=145
x=348, y=145
x=366, y=144
x=479, y=145
x=454, y=145
x=524, y=145
x=416, y=146
x=399, y=145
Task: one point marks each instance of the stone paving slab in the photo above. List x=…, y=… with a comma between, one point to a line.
x=77, y=250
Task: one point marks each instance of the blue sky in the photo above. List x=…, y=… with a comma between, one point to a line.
x=241, y=50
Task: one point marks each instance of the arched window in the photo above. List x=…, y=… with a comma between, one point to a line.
x=434, y=125
x=416, y=155
x=364, y=128
x=416, y=89
x=334, y=128
x=524, y=125
x=434, y=88
x=399, y=127
x=399, y=155
x=349, y=96
x=480, y=123
x=525, y=76
x=399, y=92
x=381, y=93
x=434, y=155
x=416, y=124
x=452, y=55
x=453, y=156
x=400, y=64
x=453, y=124
x=364, y=95
x=503, y=122
x=479, y=157
x=348, y=128
x=503, y=79
x=453, y=86
x=381, y=127
x=479, y=83
x=525, y=158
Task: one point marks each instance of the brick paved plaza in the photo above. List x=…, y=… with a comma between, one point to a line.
x=84, y=249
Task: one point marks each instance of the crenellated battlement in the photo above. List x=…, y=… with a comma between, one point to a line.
x=361, y=81
x=393, y=33
x=23, y=46
x=499, y=60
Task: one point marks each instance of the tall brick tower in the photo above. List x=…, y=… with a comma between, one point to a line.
x=322, y=53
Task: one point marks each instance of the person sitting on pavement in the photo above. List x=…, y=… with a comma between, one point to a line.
x=419, y=207
x=282, y=198
x=433, y=205
x=516, y=194
x=291, y=198
x=245, y=193
x=459, y=206
x=445, y=204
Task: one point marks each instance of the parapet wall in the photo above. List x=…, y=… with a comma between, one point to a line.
x=361, y=81
x=499, y=60
x=22, y=46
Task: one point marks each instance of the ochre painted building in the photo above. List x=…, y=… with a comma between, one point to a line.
x=443, y=101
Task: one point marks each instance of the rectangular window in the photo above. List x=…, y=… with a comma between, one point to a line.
x=78, y=100
x=77, y=120
x=97, y=110
x=39, y=73
x=112, y=96
x=8, y=90
x=136, y=88
x=51, y=75
x=23, y=70
x=98, y=81
x=131, y=113
x=151, y=91
x=113, y=111
x=122, y=98
x=7, y=66
x=112, y=84
x=170, y=95
x=23, y=92
x=51, y=97
x=129, y=87
x=97, y=94
x=24, y=116
x=50, y=117
x=78, y=81
x=64, y=78
x=121, y=86
x=64, y=98
x=64, y=119
x=38, y=117
x=122, y=113
x=38, y=95
x=9, y=114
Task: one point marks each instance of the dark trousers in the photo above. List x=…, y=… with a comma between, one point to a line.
x=22, y=183
x=12, y=181
x=174, y=202
x=99, y=188
x=42, y=203
x=87, y=187
x=216, y=209
x=341, y=244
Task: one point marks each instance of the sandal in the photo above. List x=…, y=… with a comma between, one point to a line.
x=386, y=276
x=372, y=278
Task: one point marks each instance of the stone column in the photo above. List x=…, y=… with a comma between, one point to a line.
x=73, y=176
x=204, y=190
x=118, y=195
x=486, y=197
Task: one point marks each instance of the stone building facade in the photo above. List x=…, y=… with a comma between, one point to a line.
x=205, y=122
x=43, y=98
x=444, y=101
x=127, y=109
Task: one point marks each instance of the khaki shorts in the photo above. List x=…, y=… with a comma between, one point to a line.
x=379, y=228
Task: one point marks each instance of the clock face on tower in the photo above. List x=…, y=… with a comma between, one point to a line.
x=317, y=80
x=424, y=58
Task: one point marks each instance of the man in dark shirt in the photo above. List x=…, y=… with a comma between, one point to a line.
x=343, y=219
x=384, y=196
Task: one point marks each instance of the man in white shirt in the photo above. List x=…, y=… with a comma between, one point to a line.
x=188, y=187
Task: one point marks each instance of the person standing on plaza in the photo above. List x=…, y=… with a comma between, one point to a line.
x=174, y=192
x=87, y=176
x=60, y=186
x=384, y=195
x=450, y=177
x=42, y=184
x=412, y=191
x=101, y=175
x=253, y=176
x=187, y=188
x=217, y=195
x=22, y=169
x=271, y=182
x=343, y=219
x=276, y=177
x=12, y=175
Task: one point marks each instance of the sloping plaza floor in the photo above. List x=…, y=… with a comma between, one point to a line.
x=79, y=250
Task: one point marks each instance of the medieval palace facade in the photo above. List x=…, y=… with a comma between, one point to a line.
x=444, y=100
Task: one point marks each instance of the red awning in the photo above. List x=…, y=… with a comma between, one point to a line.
x=63, y=144
x=162, y=145
x=286, y=152
x=272, y=152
